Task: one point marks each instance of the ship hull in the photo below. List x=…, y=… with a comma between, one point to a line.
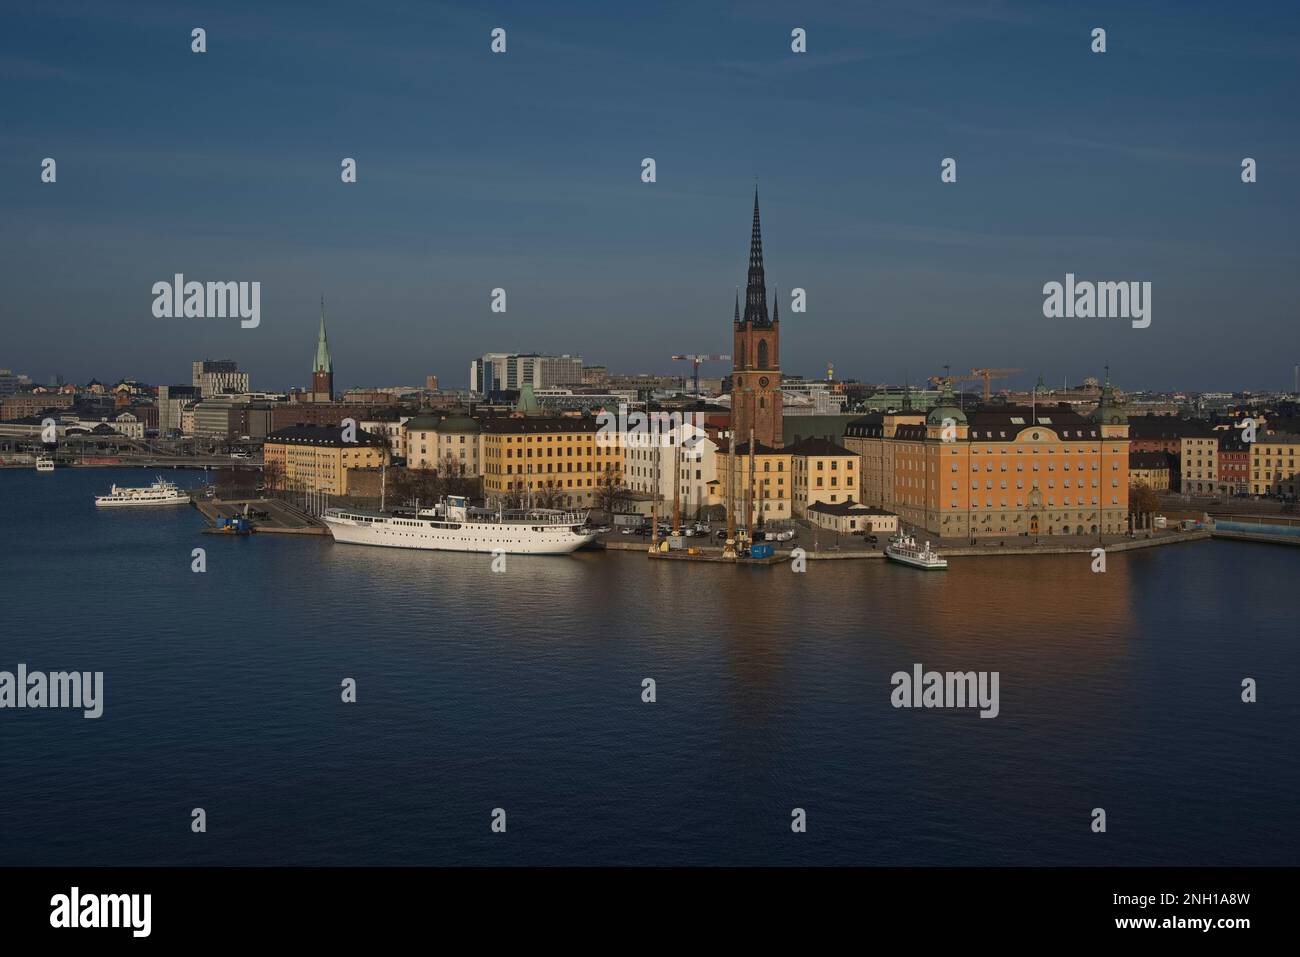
x=911, y=562
x=470, y=537
x=126, y=503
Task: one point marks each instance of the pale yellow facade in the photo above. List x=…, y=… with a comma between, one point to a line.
x=561, y=456
x=1199, y=462
x=772, y=488
x=823, y=478
x=318, y=467
x=1275, y=465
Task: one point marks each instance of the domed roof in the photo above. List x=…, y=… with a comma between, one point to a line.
x=1108, y=412
x=946, y=409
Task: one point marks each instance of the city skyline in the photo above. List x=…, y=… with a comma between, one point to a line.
x=479, y=171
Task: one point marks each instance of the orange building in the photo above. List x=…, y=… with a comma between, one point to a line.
x=1002, y=471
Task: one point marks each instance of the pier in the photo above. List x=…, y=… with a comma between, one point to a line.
x=854, y=550
x=268, y=515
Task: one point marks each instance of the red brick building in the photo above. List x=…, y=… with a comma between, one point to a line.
x=756, y=399
x=1234, y=464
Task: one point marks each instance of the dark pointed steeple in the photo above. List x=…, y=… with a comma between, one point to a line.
x=737, y=318
x=776, y=305
x=756, y=288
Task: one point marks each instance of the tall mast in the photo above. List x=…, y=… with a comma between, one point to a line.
x=677, y=483
x=729, y=548
x=749, y=492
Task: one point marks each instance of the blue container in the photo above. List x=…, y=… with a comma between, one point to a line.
x=761, y=550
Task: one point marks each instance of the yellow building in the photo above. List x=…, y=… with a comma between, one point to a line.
x=434, y=440
x=1000, y=471
x=557, y=459
x=822, y=472
x=1150, y=469
x=1275, y=465
x=317, y=458
x=1199, y=458
x=850, y=518
x=770, y=493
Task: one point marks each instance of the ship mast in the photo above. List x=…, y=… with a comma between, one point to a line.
x=729, y=548
x=749, y=492
x=677, y=483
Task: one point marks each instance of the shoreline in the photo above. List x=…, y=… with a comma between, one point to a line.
x=713, y=553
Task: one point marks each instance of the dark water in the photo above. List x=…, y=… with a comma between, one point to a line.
x=522, y=691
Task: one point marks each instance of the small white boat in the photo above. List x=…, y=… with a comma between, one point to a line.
x=161, y=492
x=45, y=464
x=907, y=551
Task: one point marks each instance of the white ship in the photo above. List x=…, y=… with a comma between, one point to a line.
x=161, y=492
x=455, y=526
x=909, y=552
x=45, y=464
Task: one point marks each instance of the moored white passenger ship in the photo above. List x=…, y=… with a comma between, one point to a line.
x=455, y=526
x=161, y=492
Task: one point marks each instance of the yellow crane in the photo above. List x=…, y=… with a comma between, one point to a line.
x=989, y=374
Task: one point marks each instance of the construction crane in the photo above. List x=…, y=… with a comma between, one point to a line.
x=695, y=361
x=947, y=379
x=989, y=374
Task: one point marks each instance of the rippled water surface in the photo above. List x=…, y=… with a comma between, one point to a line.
x=522, y=690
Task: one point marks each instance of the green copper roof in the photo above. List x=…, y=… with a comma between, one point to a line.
x=527, y=401
x=1108, y=408
x=322, y=363
x=946, y=409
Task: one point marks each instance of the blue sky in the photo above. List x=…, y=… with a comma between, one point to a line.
x=522, y=171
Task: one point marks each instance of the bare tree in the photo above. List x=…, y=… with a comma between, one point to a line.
x=611, y=494
x=273, y=474
x=454, y=478
x=548, y=498
x=1142, y=499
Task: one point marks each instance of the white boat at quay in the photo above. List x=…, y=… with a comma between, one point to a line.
x=907, y=551
x=455, y=526
x=161, y=492
x=45, y=464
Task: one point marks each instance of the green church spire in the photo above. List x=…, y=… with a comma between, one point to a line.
x=323, y=363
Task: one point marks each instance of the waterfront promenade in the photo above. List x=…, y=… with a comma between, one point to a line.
x=829, y=546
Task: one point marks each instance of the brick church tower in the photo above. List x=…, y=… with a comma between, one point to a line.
x=756, y=368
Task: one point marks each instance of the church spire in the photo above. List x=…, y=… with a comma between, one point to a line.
x=737, y=317
x=756, y=288
x=776, y=305
x=323, y=362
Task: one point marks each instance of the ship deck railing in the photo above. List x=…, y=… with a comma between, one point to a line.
x=533, y=516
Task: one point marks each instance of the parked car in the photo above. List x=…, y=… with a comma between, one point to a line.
x=872, y=540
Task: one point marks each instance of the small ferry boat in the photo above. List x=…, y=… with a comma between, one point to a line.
x=455, y=526
x=161, y=492
x=45, y=464
x=907, y=551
